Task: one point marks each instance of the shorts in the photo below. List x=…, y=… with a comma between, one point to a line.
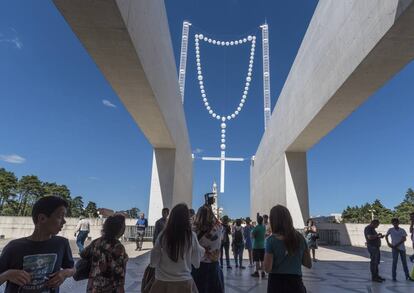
x=258, y=254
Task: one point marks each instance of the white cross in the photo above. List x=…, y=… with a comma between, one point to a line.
x=222, y=160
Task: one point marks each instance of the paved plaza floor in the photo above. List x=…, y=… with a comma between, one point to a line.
x=338, y=269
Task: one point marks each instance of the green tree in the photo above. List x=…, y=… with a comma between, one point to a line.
x=133, y=213
x=406, y=207
x=76, y=206
x=383, y=214
x=91, y=210
x=60, y=191
x=11, y=208
x=30, y=189
x=8, y=185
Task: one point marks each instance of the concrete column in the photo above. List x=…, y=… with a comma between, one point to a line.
x=285, y=183
x=162, y=183
x=296, y=183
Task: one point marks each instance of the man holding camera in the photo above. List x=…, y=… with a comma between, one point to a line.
x=374, y=243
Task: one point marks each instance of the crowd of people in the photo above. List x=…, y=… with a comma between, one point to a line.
x=187, y=255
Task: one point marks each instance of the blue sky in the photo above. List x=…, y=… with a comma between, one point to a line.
x=65, y=124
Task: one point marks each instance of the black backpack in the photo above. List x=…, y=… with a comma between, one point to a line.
x=238, y=237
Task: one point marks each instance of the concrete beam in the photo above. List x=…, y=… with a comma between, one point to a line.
x=130, y=43
x=351, y=48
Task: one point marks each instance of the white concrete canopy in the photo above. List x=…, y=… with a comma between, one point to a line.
x=130, y=43
x=351, y=49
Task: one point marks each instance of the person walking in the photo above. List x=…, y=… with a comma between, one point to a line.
x=225, y=242
x=373, y=240
x=175, y=251
x=160, y=224
x=209, y=276
x=141, y=226
x=311, y=236
x=108, y=258
x=238, y=244
x=258, y=236
x=81, y=232
x=267, y=225
x=398, y=237
x=248, y=240
x=286, y=252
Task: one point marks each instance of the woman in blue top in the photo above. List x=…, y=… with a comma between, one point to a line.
x=286, y=251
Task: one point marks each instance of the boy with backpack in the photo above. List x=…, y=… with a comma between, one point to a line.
x=42, y=261
x=238, y=244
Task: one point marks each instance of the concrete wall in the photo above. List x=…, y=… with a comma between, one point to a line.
x=17, y=227
x=353, y=234
x=351, y=48
x=130, y=43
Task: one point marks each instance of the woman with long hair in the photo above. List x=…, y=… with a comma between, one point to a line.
x=311, y=235
x=176, y=250
x=286, y=252
x=108, y=258
x=209, y=277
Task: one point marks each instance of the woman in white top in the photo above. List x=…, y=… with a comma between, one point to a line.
x=175, y=250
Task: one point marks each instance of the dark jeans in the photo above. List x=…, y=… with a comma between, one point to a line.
x=225, y=247
x=140, y=238
x=209, y=278
x=285, y=283
x=403, y=256
x=80, y=239
x=238, y=254
x=375, y=256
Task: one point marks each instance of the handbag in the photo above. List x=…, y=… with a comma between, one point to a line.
x=148, y=279
x=83, y=268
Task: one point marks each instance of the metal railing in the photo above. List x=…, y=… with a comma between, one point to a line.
x=329, y=237
x=326, y=237
x=131, y=233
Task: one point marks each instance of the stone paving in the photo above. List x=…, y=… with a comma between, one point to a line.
x=338, y=269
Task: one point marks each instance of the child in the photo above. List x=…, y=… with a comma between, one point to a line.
x=42, y=261
x=398, y=237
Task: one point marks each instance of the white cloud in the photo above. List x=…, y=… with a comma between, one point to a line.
x=198, y=151
x=14, y=159
x=93, y=178
x=108, y=103
x=12, y=38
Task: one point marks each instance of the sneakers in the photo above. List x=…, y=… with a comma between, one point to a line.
x=229, y=267
x=377, y=279
x=255, y=274
x=263, y=275
x=408, y=278
x=242, y=267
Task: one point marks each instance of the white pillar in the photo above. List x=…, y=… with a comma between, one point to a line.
x=162, y=183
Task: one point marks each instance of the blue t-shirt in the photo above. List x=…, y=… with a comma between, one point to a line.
x=282, y=262
x=39, y=258
x=142, y=224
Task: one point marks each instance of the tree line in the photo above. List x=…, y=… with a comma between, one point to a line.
x=17, y=196
x=363, y=213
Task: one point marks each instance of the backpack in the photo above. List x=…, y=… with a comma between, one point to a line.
x=238, y=237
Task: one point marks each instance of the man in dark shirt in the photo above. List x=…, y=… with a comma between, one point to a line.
x=160, y=224
x=41, y=262
x=374, y=243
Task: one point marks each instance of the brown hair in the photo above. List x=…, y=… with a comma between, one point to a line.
x=114, y=227
x=204, y=220
x=177, y=235
x=282, y=224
